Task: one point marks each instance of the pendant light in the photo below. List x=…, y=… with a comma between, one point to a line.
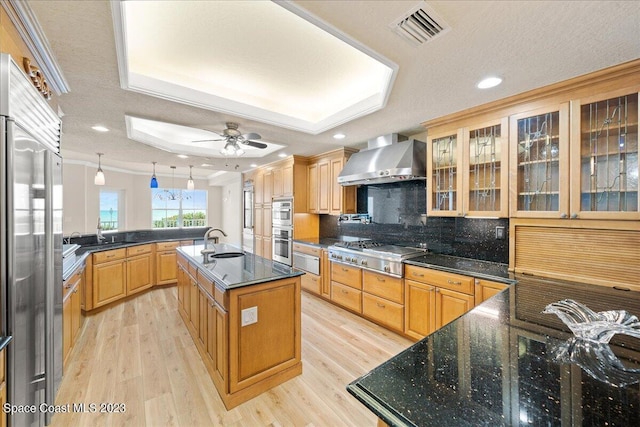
x=154, y=181
x=99, y=178
x=190, y=184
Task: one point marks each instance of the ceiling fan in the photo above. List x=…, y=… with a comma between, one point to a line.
x=233, y=136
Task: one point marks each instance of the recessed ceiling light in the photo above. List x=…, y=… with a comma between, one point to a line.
x=100, y=128
x=182, y=156
x=282, y=155
x=489, y=82
x=204, y=165
x=339, y=136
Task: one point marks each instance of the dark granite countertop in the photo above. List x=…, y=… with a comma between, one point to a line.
x=496, y=365
x=470, y=267
x=245, y=270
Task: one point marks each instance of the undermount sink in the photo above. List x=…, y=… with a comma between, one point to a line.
x=226, y=255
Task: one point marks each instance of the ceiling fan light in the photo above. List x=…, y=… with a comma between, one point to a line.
x=239, y=152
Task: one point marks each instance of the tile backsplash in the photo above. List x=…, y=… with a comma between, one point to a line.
x=464, y=237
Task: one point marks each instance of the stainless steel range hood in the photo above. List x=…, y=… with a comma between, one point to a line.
x=394, y=162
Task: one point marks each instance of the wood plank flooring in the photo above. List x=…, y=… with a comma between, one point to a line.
x=139, y=353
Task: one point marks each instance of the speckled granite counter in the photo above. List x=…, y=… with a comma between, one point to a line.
x=229, y=273
x=495, y=366
x=470, y=267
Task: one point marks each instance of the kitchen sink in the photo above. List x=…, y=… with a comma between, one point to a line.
x=226, y=255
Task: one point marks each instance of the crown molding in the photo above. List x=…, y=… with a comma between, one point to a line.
x=28, y=27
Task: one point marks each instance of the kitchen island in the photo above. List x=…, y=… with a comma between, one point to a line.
x=507, y=363
x=243, y=313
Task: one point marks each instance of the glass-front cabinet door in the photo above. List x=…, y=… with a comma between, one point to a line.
x=486, y=177
x=539, y=166
x=604, y=162
x=444, y=160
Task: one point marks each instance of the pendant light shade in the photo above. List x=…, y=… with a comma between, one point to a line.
x=99, y=178
x=190, y=184
x=154, y=180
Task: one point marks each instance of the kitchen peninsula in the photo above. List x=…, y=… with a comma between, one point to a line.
x=243, y=313
x=508, y=363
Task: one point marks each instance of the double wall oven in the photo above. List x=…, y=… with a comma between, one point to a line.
x=282, y=231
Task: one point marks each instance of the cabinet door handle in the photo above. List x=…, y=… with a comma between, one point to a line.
x=343, y=291
x=75, y=291
x=380, y=279
x=314, y=279
x=111, y=256
x=345, y=269
x=418, y=274
x=451, y=282
x=380, y=305
x=437, y=290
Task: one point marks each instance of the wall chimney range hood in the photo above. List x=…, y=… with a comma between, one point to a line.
x=386, y=160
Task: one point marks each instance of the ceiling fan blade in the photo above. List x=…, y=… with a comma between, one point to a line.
x=255, y=144
x=251, y=135
x=208, y=140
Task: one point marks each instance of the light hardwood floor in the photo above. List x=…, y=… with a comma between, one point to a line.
x=139, y=353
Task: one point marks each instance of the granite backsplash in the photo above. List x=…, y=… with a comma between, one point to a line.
x=464, y=237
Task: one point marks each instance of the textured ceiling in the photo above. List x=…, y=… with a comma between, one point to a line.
x=528, y=43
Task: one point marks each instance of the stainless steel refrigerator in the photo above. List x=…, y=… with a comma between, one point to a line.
x=30, y=244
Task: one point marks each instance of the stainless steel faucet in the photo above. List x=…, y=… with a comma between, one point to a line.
x=214, y=238
x=99, y=235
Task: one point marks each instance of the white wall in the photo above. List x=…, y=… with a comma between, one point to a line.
x=81, y=202
x=232, y=212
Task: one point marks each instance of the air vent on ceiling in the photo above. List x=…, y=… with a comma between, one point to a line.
x=419, y=25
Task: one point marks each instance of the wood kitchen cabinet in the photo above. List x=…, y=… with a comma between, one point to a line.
x=71, y=311
x=228, y=349
x=540, y=162
x=139, y=268
x=434, y=298
x=326, y=196
x=346, y=286
x=109, y=276
x=604, y=156
x=468, y=172
x=383, y=299
x=485, y=289
x=166, y=262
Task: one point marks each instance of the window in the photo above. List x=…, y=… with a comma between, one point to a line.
x=178, y=208
x=109, y=212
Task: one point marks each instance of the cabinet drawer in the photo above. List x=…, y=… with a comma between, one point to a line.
x=192, y=269
x=186, y=242
x=205, y=283
x=105, y=256
x=311, y=283
x=307, y=249
x=383, y=311
x=138, y=250
x=454, y=282
x=346, y=296
x=183, y=262
x=167, y=246
x=347, y=275
x=384, y=286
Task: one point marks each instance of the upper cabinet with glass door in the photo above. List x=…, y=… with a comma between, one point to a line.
x=486, y=178
x=444, y=159
x=539, y=165
x=604, y=163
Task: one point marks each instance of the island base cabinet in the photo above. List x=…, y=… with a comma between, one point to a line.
x=245, y=359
